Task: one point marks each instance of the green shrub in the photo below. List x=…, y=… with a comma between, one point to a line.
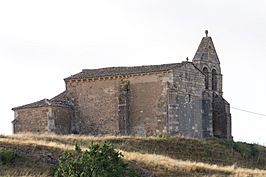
x=248, y=151
x=7, y=156
x=100, y=160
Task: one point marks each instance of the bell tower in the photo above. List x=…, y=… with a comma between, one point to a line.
x=216, y=115
x=206, y=59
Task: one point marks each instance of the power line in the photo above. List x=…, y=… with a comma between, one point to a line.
x=251, y=112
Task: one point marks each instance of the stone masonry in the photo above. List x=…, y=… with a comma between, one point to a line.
x=176, y=99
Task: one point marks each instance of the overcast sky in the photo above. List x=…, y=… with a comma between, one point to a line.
x=43, y=42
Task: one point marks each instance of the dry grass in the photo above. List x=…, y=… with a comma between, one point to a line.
x=169, y=164
x=27, y=167
x=25, y=171
x=157, y=164
x=208, y=151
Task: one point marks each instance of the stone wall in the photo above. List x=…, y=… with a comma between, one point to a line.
x=95, y=106
x=31, y=120
x=185, y=101
x=53, y=119
x=148, y=112
x=123, y=107
x=59, y=120
x=109, y=106
x=164, y=102
x=221, y=117
x=207, y=113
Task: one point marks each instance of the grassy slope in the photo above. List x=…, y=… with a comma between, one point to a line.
x=151, y=156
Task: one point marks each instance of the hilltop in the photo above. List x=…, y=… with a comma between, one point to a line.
x=150, y=156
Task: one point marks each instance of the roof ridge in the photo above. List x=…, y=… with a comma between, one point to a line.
x=122, y=70
x=33, y=104
x=58, y=100
x=114, y=67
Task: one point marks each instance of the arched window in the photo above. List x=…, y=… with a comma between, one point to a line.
x=205, y=72
x=214, y=80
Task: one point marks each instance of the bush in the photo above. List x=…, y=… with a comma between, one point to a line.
x=248, y=151
x=101, y=160
x=7, y=156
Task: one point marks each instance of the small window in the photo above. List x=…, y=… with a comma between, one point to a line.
x=206, y=73
x=214, y=80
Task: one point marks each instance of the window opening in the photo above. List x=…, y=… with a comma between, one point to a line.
x=205, y=72
x=214, y=80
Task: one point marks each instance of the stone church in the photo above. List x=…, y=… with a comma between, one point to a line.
x=176, y=99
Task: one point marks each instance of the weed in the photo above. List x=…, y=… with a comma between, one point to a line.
x=7, y=156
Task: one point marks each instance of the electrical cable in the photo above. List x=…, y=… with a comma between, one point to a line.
x=251, y=112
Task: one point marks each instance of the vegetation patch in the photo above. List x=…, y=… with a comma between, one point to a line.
x=149, y=156
x=252, y=152
x=100, y=159
x=7, y=156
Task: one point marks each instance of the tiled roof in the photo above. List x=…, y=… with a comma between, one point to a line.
x=59, y=100
x=36, y=104
x=113, y=71
x=61, y=96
